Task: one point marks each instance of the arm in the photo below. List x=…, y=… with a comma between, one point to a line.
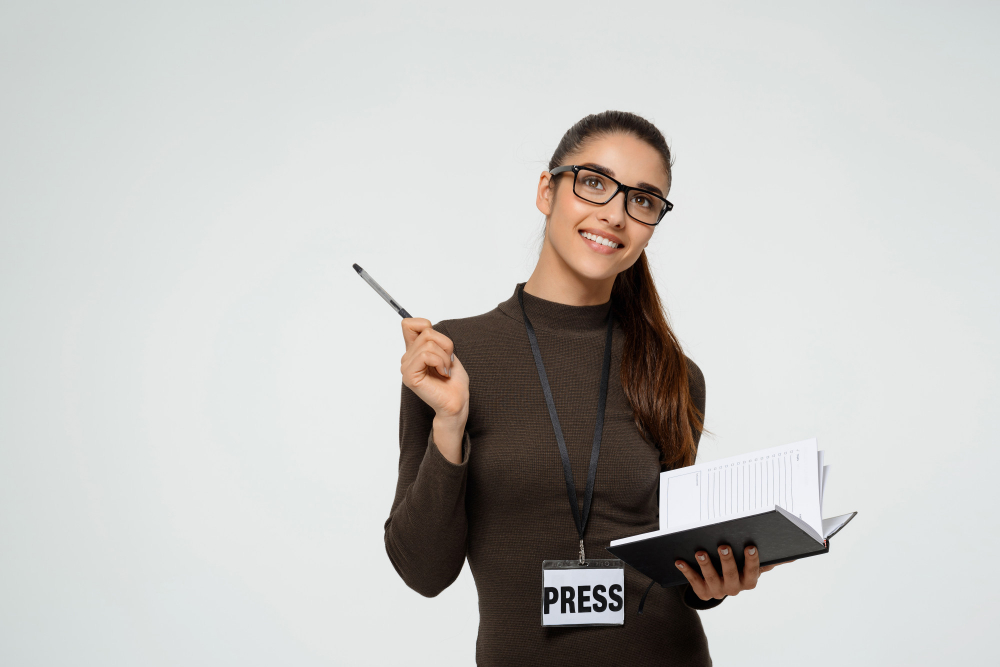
x=425, y=534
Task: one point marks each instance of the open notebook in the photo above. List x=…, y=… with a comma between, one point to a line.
x=772, y=498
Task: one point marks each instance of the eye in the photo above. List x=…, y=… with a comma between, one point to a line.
x=642, y=200
x=593, y=182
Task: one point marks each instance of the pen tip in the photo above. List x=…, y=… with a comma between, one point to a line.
x=357, y=268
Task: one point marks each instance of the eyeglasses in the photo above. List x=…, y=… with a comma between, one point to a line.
x=594, y=187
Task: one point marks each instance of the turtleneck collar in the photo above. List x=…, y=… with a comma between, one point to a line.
x=553, y=316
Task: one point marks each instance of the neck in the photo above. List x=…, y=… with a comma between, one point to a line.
x=554, y=280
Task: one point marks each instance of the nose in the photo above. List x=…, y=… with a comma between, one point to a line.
x=614, y=211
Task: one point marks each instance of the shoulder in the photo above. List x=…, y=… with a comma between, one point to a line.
x=484, y=329
x=696, y=383
x=470, y=327
x=695, y=376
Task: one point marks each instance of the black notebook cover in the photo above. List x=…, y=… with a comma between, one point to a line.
x=777, y=537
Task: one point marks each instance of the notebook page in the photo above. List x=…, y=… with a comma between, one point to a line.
x=787, y=476
x=822, y=486
x=832, y=525
x=819, y=467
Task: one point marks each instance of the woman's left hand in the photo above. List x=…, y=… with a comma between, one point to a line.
x=709, y=584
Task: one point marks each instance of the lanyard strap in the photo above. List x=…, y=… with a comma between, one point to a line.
x=581, y=523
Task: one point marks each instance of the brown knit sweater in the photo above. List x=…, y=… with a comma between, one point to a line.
x=505, y=506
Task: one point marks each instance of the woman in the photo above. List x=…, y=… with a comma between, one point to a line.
x=481, y=474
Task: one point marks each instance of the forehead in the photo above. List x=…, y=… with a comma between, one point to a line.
x=632, y=160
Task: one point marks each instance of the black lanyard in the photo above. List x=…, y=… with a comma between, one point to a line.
x=581, y=523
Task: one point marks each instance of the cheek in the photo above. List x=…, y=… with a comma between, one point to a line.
x=568, y=205
x=565, y=220
x=638, y=245
x=572, y=211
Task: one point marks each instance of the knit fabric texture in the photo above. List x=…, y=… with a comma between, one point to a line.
x=505, y=506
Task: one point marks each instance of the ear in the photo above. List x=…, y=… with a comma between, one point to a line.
x=543, y=199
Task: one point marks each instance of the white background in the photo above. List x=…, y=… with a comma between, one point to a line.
x=199, y=397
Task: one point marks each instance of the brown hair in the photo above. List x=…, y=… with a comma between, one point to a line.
x=654, y=372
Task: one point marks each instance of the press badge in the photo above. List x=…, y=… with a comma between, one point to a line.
x=590, y=594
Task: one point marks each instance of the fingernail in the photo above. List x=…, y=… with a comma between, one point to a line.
x=447, y=372
x=701, y=558
x=680, y=565
x=725, y=552
x=752, y=551
x=453, y=356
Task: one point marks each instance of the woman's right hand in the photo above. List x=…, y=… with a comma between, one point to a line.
x=431, y=370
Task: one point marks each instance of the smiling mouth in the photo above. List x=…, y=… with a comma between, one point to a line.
x=602, y=244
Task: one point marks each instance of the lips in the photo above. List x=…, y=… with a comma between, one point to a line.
x=608, y=235
x=598, y=247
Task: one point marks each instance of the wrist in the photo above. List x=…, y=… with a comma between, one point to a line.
x=448, y=435
x=450, y=423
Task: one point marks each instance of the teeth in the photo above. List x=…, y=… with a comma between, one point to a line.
x=599, y=239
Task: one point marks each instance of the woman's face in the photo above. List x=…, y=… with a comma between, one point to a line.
x=625, y=158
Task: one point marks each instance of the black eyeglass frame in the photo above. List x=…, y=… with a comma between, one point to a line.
x=575, y=168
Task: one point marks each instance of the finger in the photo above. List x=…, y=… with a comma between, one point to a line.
x=425, y=343
x=730, y=573
x=442, y=341
x=433, y=357
x=417, y=363
x=712, y=579
x=751, y=568
x=412, y=326
x=444, y=354
x=430, y=335
x=695, y=579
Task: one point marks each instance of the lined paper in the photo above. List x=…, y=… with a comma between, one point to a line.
x=718, y=490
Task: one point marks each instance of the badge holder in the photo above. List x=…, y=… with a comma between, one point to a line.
x=580, y=595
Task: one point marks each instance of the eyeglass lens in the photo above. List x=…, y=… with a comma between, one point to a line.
x=596, y=188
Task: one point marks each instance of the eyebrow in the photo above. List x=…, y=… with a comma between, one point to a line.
x=604, y=170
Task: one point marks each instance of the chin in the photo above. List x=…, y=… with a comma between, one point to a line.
x=591, y=270
x=585, y=263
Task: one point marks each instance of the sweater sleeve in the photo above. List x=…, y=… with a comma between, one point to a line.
x=425, y=534
x=696, y=384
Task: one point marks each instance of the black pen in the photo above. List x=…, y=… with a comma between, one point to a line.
x=382, y=293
